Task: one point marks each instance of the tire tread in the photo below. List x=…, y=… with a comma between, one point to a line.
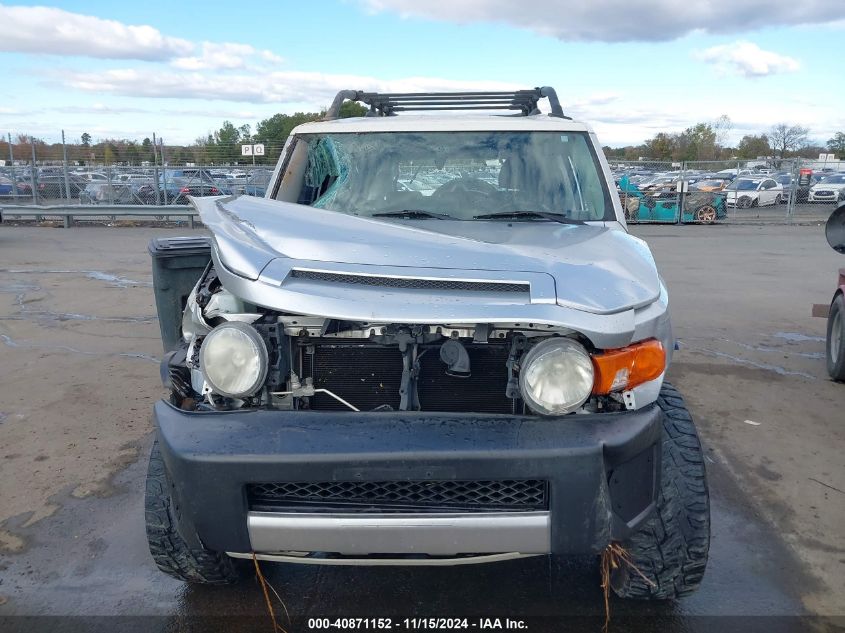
x=169, y=550
x=671, y=549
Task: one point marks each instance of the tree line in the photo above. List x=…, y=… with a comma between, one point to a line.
x=699, y=142
x=707, y=141
x=220, y=147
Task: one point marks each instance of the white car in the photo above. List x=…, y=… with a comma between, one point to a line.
x=733, y=173
x=828, y=188
x=754, y=192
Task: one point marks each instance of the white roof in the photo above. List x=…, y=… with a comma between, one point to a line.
x=440, y=123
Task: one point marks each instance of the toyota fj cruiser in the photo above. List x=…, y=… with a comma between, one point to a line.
x=433, y=341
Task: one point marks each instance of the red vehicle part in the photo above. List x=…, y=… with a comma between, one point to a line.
x=835, y=312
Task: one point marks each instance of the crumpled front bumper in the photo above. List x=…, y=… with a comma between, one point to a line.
x=602, y=472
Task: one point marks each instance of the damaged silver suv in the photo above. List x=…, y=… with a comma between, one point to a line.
x=433, y=341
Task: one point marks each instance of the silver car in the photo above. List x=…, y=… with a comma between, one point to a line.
x=433, y=341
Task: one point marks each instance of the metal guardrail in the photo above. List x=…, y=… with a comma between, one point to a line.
x=114, y=211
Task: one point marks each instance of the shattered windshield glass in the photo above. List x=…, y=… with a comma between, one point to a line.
x=459, y=175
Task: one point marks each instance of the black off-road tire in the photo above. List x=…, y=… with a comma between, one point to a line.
x=671, y=548
x=170, y=552
x=835, y=344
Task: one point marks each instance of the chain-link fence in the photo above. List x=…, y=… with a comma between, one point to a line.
x=706, y=192
x=125, y=173
x=128, y=174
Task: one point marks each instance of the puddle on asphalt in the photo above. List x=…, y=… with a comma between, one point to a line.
x=115, y=281
x=782, y=371
x=10, y=342
x=777, y=350
x=18, y=288
x=796, y=337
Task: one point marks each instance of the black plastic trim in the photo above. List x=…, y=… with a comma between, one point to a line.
x=212, y=456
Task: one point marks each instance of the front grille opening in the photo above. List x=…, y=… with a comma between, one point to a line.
x=513, y=495
x=412, y=283
x=370, y=376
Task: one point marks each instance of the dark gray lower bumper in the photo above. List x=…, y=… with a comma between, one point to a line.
x=603, y=469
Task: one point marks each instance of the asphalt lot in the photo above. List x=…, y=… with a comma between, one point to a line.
x=78, y=374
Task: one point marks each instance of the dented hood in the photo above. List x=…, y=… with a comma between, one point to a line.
x=594, y=268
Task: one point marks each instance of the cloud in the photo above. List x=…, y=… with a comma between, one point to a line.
x=598, y=99
x=56, y=32
x=619, y=20
x=50, y=31
x=97, y=108
x=747, y=59
x=100, y=108
x=291, y=87
x=226, y=55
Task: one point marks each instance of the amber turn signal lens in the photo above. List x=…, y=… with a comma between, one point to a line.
x=620, y=369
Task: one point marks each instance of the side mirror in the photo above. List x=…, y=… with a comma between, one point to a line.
x=834, y=230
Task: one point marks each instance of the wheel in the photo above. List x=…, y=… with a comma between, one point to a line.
x=755, y=202
x=705, y=214
x=632, y=208
x=835, y=346
x=743, y=202
x=778, y=199
x=671, y=548
x=170, y=552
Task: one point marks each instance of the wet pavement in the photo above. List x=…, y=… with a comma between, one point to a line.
x=91, y=559
x=78, y=344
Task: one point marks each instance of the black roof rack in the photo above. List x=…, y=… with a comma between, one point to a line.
x=388, y=104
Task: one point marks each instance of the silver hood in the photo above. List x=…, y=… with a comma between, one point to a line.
x=589, y=268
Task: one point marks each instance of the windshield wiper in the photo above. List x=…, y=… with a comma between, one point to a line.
x=518, y=215
x=413, y=214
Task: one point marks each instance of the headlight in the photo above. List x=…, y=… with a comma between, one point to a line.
x=556, y=376
x=233, y=360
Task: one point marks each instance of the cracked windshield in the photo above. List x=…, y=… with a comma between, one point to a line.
x=454, y=175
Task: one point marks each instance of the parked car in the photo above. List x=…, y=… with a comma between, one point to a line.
x=54, y=186
x=710, y=184
x=23, y=186
x=657, y=183
x=733, y=173
x=363, y=373
x=129, y=176
x=189, y=173
x=105, y=193
x=256, y=184
x=7, y=187
x=699, y=206
x=177, y=190
x=827, y=189
x=746, y=192
x=802, y=192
